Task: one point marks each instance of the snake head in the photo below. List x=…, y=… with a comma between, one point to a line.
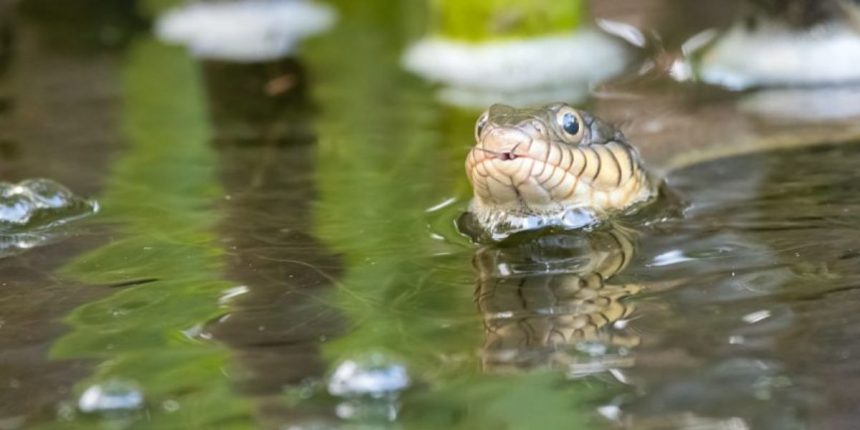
x=547, y=161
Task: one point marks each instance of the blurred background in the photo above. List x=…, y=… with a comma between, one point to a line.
x=242, y=214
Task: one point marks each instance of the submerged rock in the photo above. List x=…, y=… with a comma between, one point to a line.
x=29, y=210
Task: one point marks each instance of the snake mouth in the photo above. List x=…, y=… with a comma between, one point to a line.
x=507, y=155
x=518, y=180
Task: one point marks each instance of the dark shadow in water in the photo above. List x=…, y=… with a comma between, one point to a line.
x=797, y=13
x=85, y=26
x=278, y=320
x=259, y=105
x=54, y=99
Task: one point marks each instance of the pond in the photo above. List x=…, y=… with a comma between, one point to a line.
x=276, y=247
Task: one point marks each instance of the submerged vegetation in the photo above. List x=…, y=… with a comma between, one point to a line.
x=161, y=198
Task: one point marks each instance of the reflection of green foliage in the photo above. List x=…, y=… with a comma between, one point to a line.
x=377, y=173
x=512, y=402
x=159, y=197
x=476, y=20
x=409, y=285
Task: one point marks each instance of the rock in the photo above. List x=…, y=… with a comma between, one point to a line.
x=244, y=31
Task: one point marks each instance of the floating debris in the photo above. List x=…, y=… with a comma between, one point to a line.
x=523, y=71
x=375, y=375
x=244, y=31
x=29, y=209
x=115, y=395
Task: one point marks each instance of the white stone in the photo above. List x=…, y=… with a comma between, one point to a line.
x=775, y=54
x=244, y=31
x=805, y=104
x=523, y=71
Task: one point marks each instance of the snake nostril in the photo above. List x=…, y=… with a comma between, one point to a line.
x=507, y=156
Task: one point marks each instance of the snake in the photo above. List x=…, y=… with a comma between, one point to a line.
x=552, y=165
x=542, y=295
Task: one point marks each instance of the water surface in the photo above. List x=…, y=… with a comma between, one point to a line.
x=255, y=236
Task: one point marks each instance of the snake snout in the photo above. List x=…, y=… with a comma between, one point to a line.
x=505, y=144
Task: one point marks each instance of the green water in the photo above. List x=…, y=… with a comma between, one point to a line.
x=250, y=242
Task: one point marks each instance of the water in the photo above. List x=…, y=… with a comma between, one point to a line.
x=743, y=285
x=261, y=226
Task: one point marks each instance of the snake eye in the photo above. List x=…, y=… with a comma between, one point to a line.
x=479, y=125
x=570, y=121
x=570, y=124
